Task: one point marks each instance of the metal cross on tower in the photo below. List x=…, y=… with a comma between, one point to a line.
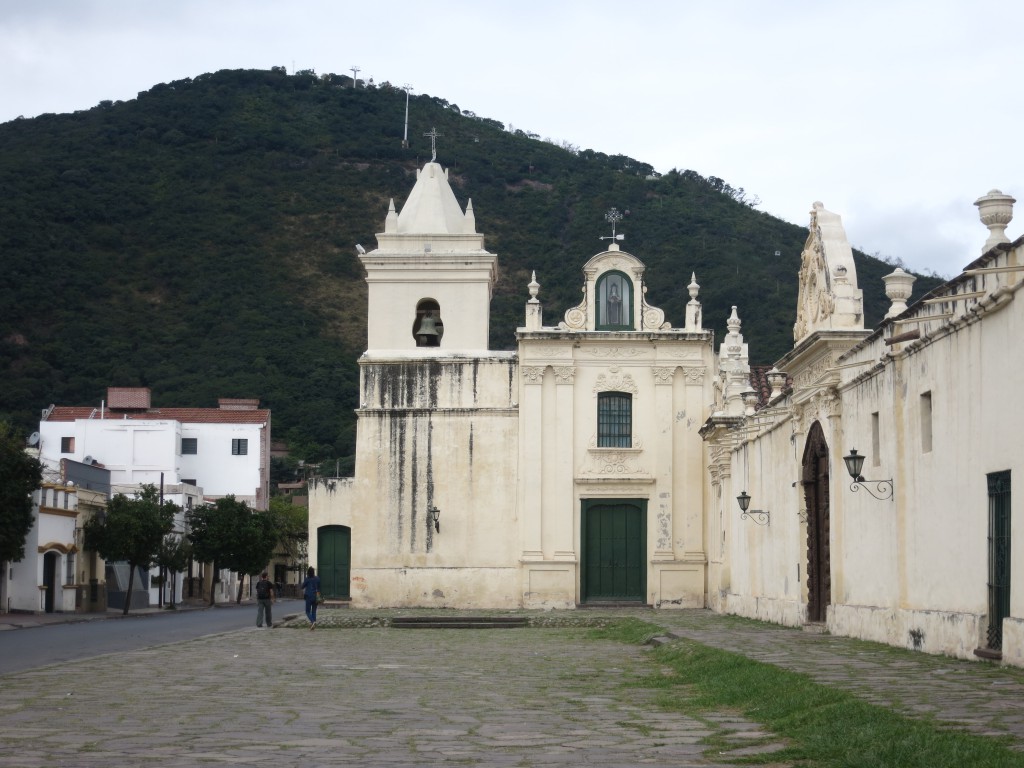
x=433, y=143
x=614, y=217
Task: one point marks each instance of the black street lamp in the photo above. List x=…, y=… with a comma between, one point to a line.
x=854, y=463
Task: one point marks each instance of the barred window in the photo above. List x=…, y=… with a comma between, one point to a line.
x=189, y=445
x=614, y=420
x=239, y=447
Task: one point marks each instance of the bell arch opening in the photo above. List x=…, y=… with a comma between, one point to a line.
x=428, y=328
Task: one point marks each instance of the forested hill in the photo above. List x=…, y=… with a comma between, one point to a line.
x=200, y=239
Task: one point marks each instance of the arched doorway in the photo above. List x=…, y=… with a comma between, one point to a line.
x=333, y=560
x=816, y=496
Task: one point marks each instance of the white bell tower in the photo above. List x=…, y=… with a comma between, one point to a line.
x=429, y=279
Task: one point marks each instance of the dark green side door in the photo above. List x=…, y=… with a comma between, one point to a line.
x=614, y=539
x=333, y=560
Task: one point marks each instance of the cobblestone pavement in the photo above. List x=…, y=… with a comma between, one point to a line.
x=378, y=696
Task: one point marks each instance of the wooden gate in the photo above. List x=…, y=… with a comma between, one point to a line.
x=614, y=535
x=816, y=496
x=334, y=560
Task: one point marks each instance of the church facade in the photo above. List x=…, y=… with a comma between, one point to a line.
x=569, y=471
x=616, y=458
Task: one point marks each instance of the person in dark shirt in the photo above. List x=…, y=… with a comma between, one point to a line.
x=311, y=591
x=265, y=595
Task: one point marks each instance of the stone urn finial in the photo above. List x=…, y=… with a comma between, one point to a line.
x=534, y=288
x=995, y=211
x=777, y=380
x=898, y=286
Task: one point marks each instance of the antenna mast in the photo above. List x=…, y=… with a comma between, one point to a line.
x=355, y=71
x=405, y=136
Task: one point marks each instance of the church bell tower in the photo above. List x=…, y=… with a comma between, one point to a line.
x=429, y=279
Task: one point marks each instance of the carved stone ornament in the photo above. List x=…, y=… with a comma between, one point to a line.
x=695, y=374
x=814, y=372
x=827, y=403
x=614, y=352
x=576, y=318
x=615, y=381
x=663, y=375
x=564, y=374
x=796, y=419
x=612, y=461
x=532, y=374
x=815, y=300
x=653, y=317
x=551, y=350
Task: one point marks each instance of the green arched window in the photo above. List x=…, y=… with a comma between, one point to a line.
x=614, y=302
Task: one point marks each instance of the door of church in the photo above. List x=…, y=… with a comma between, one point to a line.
x=613, y=553
x=816, y=496
x=333, y=560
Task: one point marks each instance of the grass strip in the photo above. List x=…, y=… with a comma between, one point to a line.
x=821, y=725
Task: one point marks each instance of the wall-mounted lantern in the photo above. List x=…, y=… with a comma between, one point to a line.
x=434, y=518
x=759, y=516
x=854, y=464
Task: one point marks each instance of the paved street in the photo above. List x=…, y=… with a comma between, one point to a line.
x=377, y=696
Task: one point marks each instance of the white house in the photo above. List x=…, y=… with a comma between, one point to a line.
x=56, y=574
x=194, y=455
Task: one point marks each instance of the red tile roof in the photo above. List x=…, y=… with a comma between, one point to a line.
x=185, y=415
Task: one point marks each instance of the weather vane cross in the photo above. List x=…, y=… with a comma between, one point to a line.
x=433, y=143
x=613, y=217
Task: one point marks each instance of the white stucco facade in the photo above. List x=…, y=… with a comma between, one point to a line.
x=924, y=398
x=602, y=461
x=504, y=448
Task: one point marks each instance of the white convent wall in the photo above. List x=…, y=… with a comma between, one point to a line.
x=911, y=571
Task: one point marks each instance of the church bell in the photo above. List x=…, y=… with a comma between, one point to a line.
x=427, y=335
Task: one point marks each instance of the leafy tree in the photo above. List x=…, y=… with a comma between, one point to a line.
x=20, y=474
x=293, y=527
x=230, y=534
x=173, y=556
x=132, y=530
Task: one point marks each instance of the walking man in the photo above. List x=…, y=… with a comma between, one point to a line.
x=265, y=595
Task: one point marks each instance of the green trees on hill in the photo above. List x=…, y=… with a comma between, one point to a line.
x=199, y=240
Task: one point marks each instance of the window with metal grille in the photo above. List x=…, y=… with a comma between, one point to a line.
x=67, y=445
x=189, y=445
x=998, y=556
x=614, y=420
x=239, y=447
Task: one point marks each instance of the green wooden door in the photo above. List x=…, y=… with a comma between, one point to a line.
x=613, y=553
x=333, y=560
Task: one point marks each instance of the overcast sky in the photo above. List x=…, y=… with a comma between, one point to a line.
x=897, y=114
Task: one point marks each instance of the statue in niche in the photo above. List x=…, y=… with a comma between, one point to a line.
x=614, y=305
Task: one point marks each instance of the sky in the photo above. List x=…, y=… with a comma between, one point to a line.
x=896, y=114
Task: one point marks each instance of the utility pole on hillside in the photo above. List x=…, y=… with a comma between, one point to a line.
x=355, y=71
x=405, y=136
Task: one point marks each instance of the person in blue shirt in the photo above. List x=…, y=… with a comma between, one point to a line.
x=310, y=590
